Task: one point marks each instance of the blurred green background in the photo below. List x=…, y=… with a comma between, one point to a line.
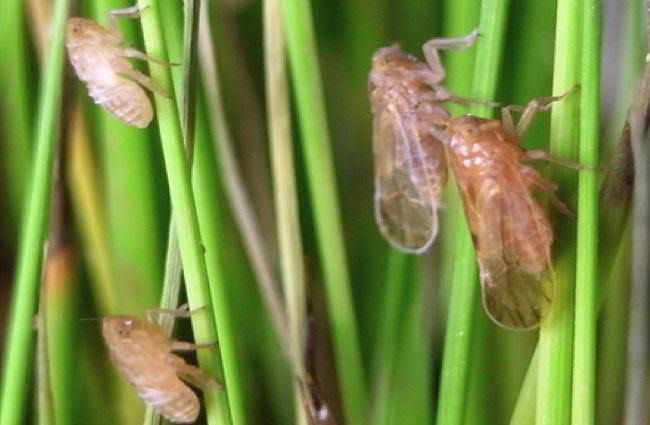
x=109, y=210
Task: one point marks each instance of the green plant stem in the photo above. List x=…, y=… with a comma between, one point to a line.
x=14, y=103
x=129, y=188
x=44, y=402
x=524, y=411
x=235, y=189
x=464, y=288
x=19, y=345
x=186, y=90
x=189, y=238
x=310, y=102
x=386, y=353
x=584, y=355
x=286, y=197
x=60, y=287
x=556, y=332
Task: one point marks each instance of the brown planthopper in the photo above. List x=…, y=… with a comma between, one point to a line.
x=100, y=59
x=410, y=169
x=144, y=356
x=511, y=233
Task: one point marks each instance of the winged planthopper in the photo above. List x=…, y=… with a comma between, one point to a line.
x=410, y=169
x=510, y=230
x=415, y=140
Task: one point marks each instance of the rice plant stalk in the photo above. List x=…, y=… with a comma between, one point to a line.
x=584, y=355
x=128, y=179
x=15, y=104
x=304, y=64
x=184, y=209
x=286, y=199
x=464, y=299
x=19, y=345
x=556, y=332
x=235, y=189
x=186, y=90
x=390, y=337
x=60, y=295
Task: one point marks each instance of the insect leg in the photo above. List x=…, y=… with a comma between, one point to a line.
x=508, y=122
x=190, y=346
x=195, y=376
x=432, y=46
x=132, y=12
x=144, y=80
x=467, y=101
x=182, y=311
x=548, y=187
x=130, y=52
x=536, y=105
x=438, y=128
x=540, y=155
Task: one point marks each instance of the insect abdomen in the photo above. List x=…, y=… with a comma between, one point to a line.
x=126, y=100
x=179, y=404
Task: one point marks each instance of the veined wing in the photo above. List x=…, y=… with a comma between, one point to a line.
x=512, y=240
x=410, y=171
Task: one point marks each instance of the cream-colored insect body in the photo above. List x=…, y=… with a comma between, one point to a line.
x=410, y=169
x=99, y=57
x=143, y=354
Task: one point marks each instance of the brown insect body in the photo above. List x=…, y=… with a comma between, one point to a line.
x=414, y=140
x=142, y=353
x=99, y=59
x=511, y=233
x=410, y=169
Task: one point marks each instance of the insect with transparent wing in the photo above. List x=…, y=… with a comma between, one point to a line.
x=100, y=59
x=144, y=356
x=410, y=169
x=511, y=233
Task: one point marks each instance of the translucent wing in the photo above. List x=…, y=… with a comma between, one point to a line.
x=512, y=238
x=410, y=172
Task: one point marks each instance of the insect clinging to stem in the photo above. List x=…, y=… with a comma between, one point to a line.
x=511, y=233
x=410, y=169
x=100, y=59
x=144, y=356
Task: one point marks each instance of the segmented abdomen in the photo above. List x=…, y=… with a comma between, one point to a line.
x=178, y=404
x=126, y=100
x=98, y=66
